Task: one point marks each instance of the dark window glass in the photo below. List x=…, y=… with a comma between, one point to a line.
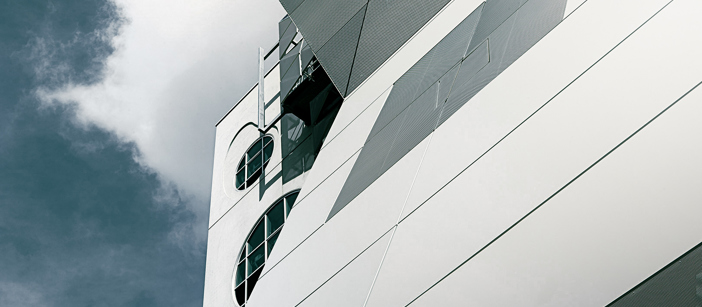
x=252, y=163
x=271, y=241
x=255, y=148
x=256, y=237
x=240, y=178
x=259, y=246
x=268, y=151
x=240, y=293
x=256, y=259
x=276, y=217
x=252, y=282
x=290, y=200
x=253, y=178
x=240, y=276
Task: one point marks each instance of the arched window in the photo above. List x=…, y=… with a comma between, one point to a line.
x=258, y=246
x=254, y=162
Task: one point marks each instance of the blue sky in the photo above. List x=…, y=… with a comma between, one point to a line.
x=107, y=113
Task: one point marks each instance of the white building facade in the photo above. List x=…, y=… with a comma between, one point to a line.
x=466, y=153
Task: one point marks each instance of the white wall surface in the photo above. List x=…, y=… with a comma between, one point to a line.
x=582, y=123
x=577, y=94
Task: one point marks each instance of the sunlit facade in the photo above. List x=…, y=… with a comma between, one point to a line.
x=465, y=153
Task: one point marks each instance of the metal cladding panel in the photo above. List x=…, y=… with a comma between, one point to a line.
x=290, y=76
x=403, y=93
x=336, y=56
x=533, y=21
x=428, y=70
x=306, y=55
x=494, y=14
x=506, y=44
x=675, y=285
x=579, y=127
x=310, y=212
x=419, y=122
x=484, y=67
x=319, y=20
x=286, y=33
x=450, y=50
x=338, y=242
x=625, y=218
x=290, y=5
x=368, y=166
x=350, y=286
x=388, y=25
x=559, y=58
x=288, y=60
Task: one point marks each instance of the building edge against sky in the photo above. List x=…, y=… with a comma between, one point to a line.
x=465, y=153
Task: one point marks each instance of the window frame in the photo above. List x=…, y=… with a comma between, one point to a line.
x=250, y=176
x=250, y=278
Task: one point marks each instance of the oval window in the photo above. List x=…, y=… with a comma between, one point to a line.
x=259, y=245
x=254, y=162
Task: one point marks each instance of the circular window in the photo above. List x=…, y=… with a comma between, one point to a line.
x=258, y=246
x=253, y=162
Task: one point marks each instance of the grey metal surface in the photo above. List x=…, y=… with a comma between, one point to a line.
x=287, y=61
x=465, y=87
x=319, y=20
x=388, y=25
x=368, y=165
x=403, y=93
x=290, y=5
x=506, y=44
x=337, y=55
x=286, y=33
x=422, y=115
x=494, y=14
x=450, y=50
x=306, y=55
x=675, y=285
x=291, y=73
x=428, y=70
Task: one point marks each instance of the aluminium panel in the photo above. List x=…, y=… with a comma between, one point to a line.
x=306, y=55
x=368, y=166
x=319, y=20
x=579, y=126
x=341, y=239
x=350, y=286
x=572, y=5
x=507, y=43
x=388, y=25
x=309, y=214
x=560, y=57
x=336, y=151
x=286, y=33
x=422, y=115
x=675, y=285
x=399, y=63
x=428, y=70
x=337, y=54
x=450, y=50
x=624, y=219
x=290, y=5
x=495, y=13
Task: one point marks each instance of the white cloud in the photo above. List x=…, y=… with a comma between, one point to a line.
x=178, y=66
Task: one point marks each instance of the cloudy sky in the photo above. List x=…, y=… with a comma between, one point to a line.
x=107, y=113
